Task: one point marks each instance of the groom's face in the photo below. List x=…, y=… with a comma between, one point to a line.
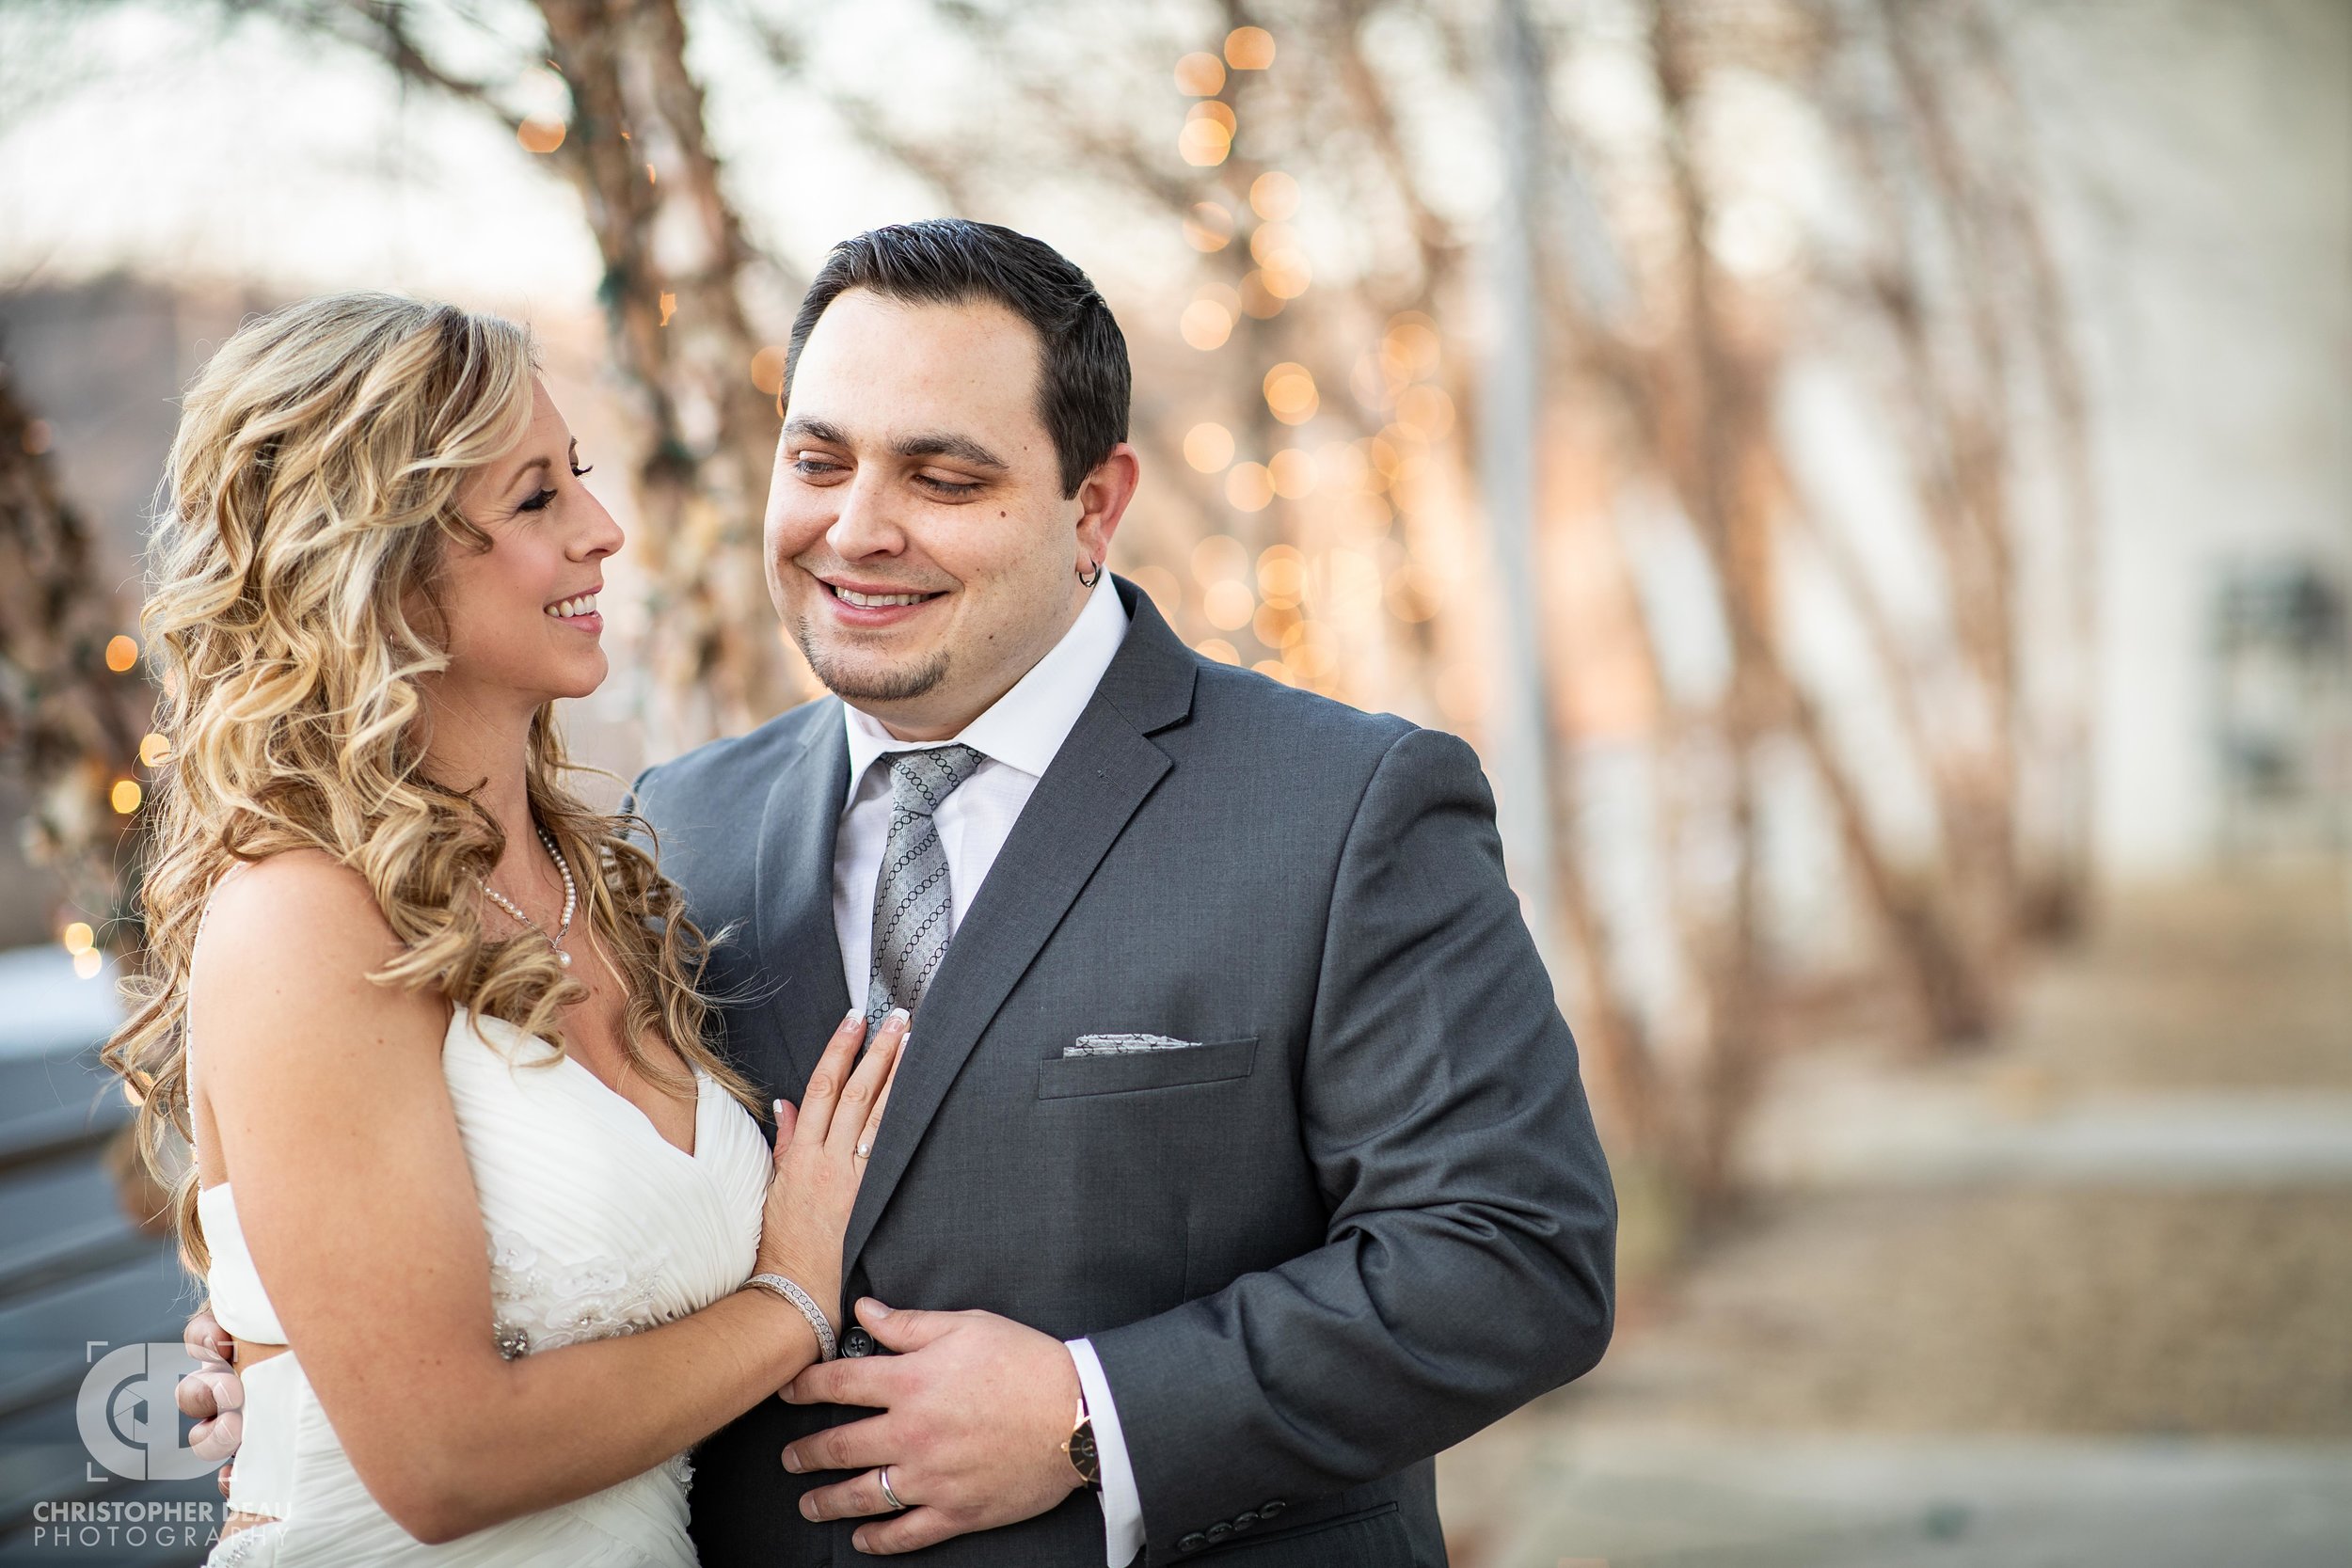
x=919, y=546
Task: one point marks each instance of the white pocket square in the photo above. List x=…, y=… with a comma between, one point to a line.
x=1126, y=1045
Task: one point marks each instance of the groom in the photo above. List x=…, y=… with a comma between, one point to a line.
x=1238, y=1160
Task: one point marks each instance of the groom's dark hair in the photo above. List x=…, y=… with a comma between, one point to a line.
x=1083, y=384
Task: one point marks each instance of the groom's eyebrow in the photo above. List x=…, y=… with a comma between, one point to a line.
x=815, y=430
x=929, y=443
x=944, y=444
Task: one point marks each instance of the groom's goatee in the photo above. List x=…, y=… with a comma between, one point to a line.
x=878, y=685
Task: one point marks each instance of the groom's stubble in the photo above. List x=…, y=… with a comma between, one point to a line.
x=886, y=684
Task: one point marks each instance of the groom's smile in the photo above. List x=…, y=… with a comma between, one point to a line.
x=865, y=604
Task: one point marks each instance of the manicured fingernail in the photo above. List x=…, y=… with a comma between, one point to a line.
x=792, y=1463
x=901, y=1016
x=777, y=1106
x=851, y=1017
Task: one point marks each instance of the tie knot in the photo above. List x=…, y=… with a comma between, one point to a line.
x=921, y=781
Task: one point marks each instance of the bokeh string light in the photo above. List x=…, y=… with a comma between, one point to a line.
x=767, y=370
x=1207, y=136
x=1333, y=494
x=1282, y=576
x=1228, y=604
x=1249, y=487
x=1274, y=196
x=1200, y=75
x=1289, y=393
x=81, y=945
x=1208, y=321
x=1292, y=472
x=1250, y=49
x=1209, y=447
x=1208, y=227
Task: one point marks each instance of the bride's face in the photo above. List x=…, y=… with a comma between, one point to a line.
x=521, y=616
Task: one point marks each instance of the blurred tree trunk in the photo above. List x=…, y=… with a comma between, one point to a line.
x=1707, y=413
x=1722, y=453
x=1508, y=431
x=1920, y=98
x=681, y=332
x=71, y=726
x=1958, y=403
x=2057, y=876
x=676, y=267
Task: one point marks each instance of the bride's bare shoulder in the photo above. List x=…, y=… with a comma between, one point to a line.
x=293, y=900
x=298, y=929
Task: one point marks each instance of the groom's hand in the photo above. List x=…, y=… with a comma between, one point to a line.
x=212, y=1394
x=975, y=1410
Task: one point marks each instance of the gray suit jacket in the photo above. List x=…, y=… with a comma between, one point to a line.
x=1364, y=1215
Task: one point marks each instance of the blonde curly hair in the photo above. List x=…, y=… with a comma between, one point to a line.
x=312, y=493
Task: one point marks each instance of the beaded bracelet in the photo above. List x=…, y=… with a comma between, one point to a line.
x=776, y=1284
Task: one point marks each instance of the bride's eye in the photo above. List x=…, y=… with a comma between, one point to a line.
x=583, y=470
x=536, y=502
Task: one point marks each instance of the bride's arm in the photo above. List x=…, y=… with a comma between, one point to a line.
x=335, y=1125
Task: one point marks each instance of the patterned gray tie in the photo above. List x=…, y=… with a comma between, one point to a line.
x=911, y=897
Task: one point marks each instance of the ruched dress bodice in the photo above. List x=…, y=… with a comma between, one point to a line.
x=596, y=1225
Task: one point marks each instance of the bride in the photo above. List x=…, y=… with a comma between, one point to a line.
x=495, y=1230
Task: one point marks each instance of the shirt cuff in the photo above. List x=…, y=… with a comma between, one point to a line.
x=1122, y=1506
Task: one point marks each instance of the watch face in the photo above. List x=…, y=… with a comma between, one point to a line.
x=1082, y=1456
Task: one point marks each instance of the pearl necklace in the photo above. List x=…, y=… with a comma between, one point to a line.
x=571, y=899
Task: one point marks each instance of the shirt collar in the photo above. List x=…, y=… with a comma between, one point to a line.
x=1024, y=728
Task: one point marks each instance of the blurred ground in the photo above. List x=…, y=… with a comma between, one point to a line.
x=2083, y=1299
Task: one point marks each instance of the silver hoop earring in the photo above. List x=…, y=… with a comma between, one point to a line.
x=1086, y=582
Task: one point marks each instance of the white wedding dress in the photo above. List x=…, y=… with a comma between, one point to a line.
x=597, y=1226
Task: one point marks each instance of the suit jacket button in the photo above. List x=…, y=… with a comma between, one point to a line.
x=857, y=1343
x=1219, y=1533
x=1192, y=1543
x=1244, y=1520
x=1269, y=1512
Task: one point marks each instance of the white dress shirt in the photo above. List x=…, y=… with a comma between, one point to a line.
x=1019, y=738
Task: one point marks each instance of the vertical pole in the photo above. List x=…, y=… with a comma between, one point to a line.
x=1521, y=734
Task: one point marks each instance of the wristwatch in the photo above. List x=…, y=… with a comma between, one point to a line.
x=1079, y=1448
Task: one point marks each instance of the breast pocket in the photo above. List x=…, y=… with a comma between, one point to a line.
x=1129, y=1073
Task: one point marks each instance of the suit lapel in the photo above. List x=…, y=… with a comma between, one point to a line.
x=798, y=957
x=1099, y=778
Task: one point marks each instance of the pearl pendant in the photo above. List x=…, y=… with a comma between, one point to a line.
x=562, y=958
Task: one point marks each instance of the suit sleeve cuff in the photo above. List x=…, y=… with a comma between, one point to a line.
x=1122, y=1506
